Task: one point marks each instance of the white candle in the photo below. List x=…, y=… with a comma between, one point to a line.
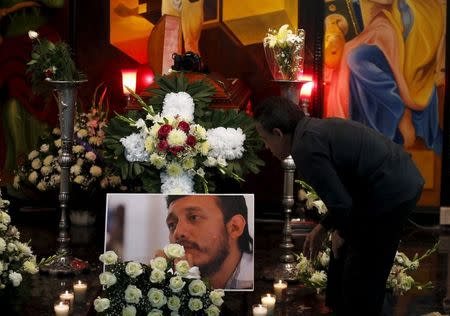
x=259, y=310
x=279, y=288
x=268, y=300
x=66, y=296
x=79, y=289
x=61, y=309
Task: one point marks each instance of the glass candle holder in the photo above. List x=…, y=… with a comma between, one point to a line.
x=61, y=309
x=279, y=288
x=259, y=310
x=67, y=297
x=79, y=290
x=268, y=300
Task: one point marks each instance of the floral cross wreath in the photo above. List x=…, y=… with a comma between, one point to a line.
x=176, y=144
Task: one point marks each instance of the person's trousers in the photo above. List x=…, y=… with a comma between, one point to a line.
x=357, y=278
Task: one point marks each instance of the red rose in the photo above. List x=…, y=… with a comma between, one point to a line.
x=163, y=145
x=191, y=140
x=184, y=126
x=176, y=149
x=48, y=72
x=164, y=131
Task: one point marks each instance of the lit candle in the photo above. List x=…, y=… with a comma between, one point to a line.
x=79, y=289
x=259, y=310
x=61, y=309
x=129, y=80
x=279, y=288
x=268, y=300
x=66, y=297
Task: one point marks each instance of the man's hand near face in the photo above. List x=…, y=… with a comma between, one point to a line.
x=313, y=242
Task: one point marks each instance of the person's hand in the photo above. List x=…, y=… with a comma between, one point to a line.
x=314, y=241
x=336, y=243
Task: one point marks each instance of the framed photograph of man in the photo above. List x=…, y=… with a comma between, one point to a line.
x=216, y=231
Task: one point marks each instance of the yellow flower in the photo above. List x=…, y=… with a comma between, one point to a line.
x=149, y=144
x=82, y=133
x=176, y=137
x=157, y=160
x=41, y=186
x=36, y=164
x=79, y=179
x=188, y=163
x=78, y=149
x=204, y=148
x=33, y=177
x=48, y=160
x=96, y=171
x=174, y=169
x=45, y=170
x=58, y=142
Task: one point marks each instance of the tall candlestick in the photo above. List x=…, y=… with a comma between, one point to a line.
x=268, y=300
x=61, y=309
x=259, y=310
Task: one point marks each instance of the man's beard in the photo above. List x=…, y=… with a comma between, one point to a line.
x=212, y=266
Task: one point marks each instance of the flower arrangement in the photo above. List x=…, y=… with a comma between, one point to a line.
x=284, y=51
x=176, y=144
x=50, y=61
x=168, y=286
x=308, y=196
x=313, y=273
x=41, y=169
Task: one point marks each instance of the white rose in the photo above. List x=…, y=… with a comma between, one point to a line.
x=133, y=294
x=108, y=257
x=174, y=251
x=33, y=35
x=159, y=263
x=195, y=304
x=15, y=278
x=182, y=267
x=129, y=310
x=155, y=312
x=157, y=276
x=212, y=310
x=174, y=303
x=133, y=269
x=44, y=148
x=176, y=284
x=101, y=304
x=107, y=278
x=197, y=288
x=156, y=297
x=216, y=297
x=193, y=273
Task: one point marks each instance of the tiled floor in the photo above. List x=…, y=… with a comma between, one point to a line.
x=87, y=244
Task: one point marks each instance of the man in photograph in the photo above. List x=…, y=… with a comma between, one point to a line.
x=214, y=232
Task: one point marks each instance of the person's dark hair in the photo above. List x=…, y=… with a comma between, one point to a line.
x=230, y=205
x=278, y=112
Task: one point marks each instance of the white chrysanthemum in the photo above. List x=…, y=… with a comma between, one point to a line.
x=90, y=155
x=157, y=160
x=181, y=104
x=33, y=177
x=48, y=160
x=79, y=179
x=149, y=144
x=198, y=131
x=78, y=149
x=75, y=170
x=5, y=218
x=29, y=266
x=174, y=169
x=36, y=164
x=188, y=163
x=16, y=278
x=176, y=185
x=318, y=277
x=33, y=155
x=203, y=147
x=176, y=137
x=134, y=147
x=226, y=142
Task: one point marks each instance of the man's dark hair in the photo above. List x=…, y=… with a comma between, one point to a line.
x=230, y=205
x=278, y=112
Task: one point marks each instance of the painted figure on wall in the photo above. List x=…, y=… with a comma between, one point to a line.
x=23, y=117
x=388, y=74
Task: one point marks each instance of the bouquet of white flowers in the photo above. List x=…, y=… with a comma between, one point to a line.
x=168, y=286
x=41, y=169
x=16, y=257
x=313, y=273
x=176, y=143
x=284, y=51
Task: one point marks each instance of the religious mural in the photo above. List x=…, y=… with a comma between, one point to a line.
x=384, y=66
